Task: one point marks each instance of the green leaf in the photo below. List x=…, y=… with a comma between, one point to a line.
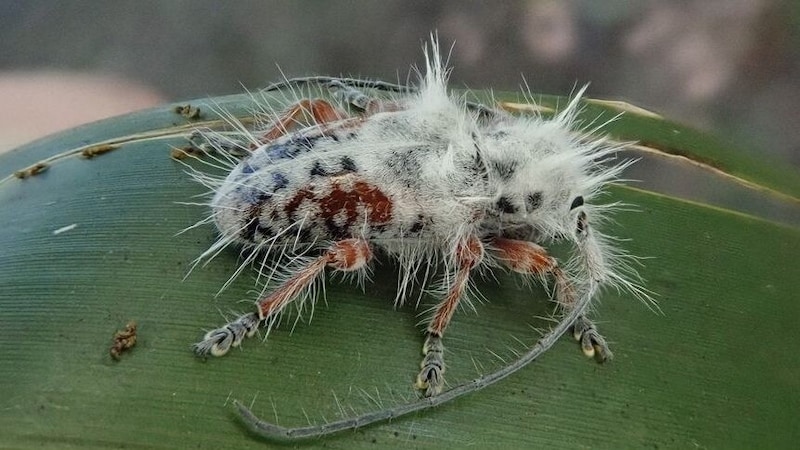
x=90, y=244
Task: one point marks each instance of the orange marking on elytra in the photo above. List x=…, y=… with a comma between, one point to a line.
x=346, y=193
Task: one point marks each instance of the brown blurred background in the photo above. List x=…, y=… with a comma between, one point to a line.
x=730, y=66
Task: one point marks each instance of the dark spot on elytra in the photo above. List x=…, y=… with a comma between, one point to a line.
x=318, y=170
x=253, y=225
x=348, y=165
x=418, y=224
x=504, y=169
x=249, y=231
x=405, y=166
x=279, y=180
x=306, y=142
x=265, y=231
x=298, y=143
x=252, y=196
x=282, y=151
x=576, y=203
x=247, y=168
x=533, y=201
x=380, y=228
x=505, y=205
x=274, y=215
x=404, y=163
x=480, y=165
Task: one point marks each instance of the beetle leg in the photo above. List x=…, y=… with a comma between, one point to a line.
x=346, y=255
x=468, y=254
x=319, y=111
x=531, y=259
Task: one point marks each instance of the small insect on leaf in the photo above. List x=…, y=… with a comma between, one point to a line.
x=31, y=171
x=124, y=340
x=188, y=111
x=185, y=152
x=98, y=150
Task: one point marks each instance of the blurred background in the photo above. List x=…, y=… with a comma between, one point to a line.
x=728, y=66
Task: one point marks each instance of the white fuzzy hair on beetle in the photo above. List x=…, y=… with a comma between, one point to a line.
x=438, y=183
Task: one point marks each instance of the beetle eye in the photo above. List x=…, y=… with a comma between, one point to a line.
x=576, y=203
